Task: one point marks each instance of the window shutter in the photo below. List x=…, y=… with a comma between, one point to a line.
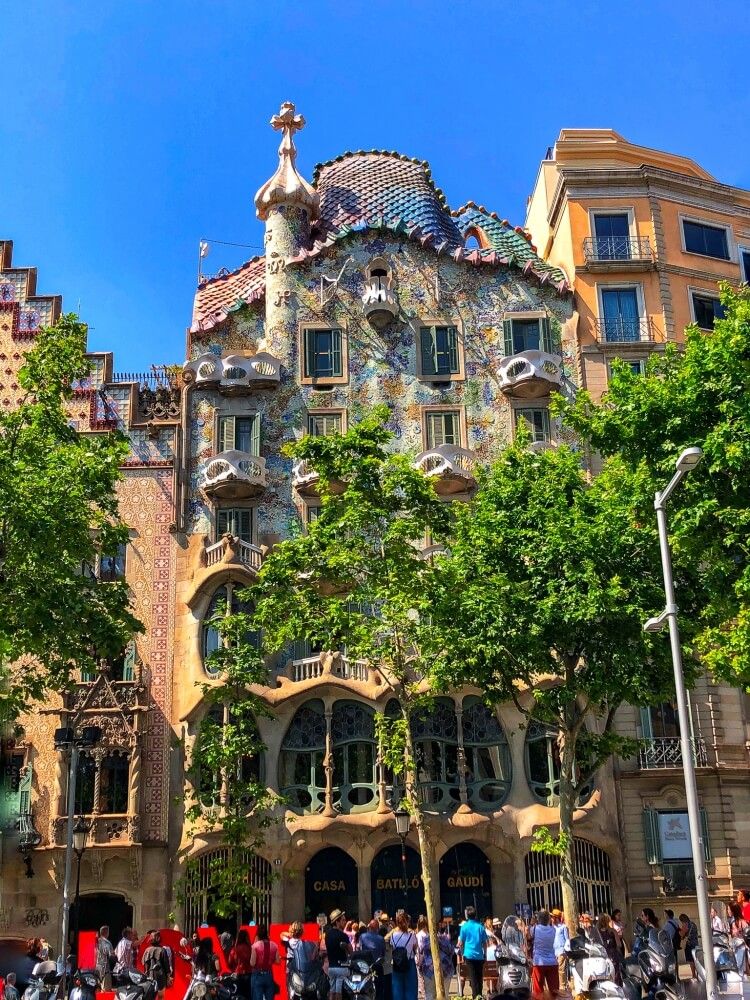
x=226, y=434
x=651, y=835
x=308, y=348
x=508, y=336
x=336, y=366
x=128, y=667
x=704, y=834
x=427, y=341
x=647, y=730
x=546, y=430
x=255, y=435
x=545, y=336
x=24, y=790
x=453, y=348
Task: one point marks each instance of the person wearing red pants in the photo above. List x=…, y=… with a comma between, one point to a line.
x=544, y=963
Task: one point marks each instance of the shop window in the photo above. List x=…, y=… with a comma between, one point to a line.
x=708, y=241
x=487, y=755
x=301, y=775
x=240, y=434
x=669, y=847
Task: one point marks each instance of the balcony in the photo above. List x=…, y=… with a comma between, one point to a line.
x=306, y=480
x=233, y=549
x=624, y=331
x=450, y=467
x=530, y=374
x=379, y=301
x=666, y=751
x=234, y=375
x=327, y=665
x=618, y=253
x=234, y=475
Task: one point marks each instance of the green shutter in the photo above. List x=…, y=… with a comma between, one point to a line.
x=508, y=336
x=453, y=348
x=255, y=435
x=226, y=434
x=336, y=365
x=546, y=431
x=24, y=790
x=647, y=729
x=651, y=836
x=704, y=834
x=427, y=347
x=545, y=335
x=128, y=667
x=308, y=366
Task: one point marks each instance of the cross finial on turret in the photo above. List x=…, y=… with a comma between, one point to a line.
x=287, y=120
x=286, y=186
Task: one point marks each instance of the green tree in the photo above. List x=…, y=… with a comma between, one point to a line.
x=227, y=791
x=696, y=396
x=541, y=603
x=58, y=513
x=357, y=579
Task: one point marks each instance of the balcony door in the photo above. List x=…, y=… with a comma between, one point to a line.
x=621, y=314
x=612, y=237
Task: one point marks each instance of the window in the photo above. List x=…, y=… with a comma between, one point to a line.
x=442, y=427
x=709, y=241
x=113, y=784
x=355, y=783
x=85, y=780
x=537, y=420
x=636, y=365
x=660, y=721
x=226, y=600
x=249, y=768
x=112, y=567
x=543, y=765
x=621, y=319
x=323, y=354
x=706, y=309
x=528, y=334
x=668, y=846
x=435, y=736
x=487, y=755
x=237, y=521
x=301, y=774
x=612, y=240
x=438, y=349
x=745, y=261
x=122, y=666
x=312, y=513
x=323, y=424
x=240, y=434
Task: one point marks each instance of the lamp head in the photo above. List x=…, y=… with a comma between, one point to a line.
x=403, y=822
x=689, y=459
x=656, y=624
x=81, y=831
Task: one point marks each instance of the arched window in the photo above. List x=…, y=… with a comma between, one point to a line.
x=435, y=735
x=487, y=755
x=301, y=775
x=113, y=783
x=543, y=765
x=354, y=757
x=225, y=600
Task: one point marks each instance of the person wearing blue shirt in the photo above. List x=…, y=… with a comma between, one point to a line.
x=371, y=940
x=472, y=942
x=562, y=936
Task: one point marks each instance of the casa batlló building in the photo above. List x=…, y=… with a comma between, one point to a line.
x=371, y=290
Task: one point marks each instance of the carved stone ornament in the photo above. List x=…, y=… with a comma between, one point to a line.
x=135, y=867
x=161, y=403
x=286, y=187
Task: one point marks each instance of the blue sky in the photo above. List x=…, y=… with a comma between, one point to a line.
x=131, y=129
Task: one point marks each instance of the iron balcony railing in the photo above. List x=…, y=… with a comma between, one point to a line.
x=614, y=248
x=624, y=331
x=666, y=751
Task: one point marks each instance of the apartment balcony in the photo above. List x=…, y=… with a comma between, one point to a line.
x=234, y=475
x=618, y=253
x=239, y=550
x=530, y=374
x=450, y=467
x=329, y=665
x=106, y=829
x=666, y=752
x=234, y=375
x=306, y=480
x=379, y=301
x=623, y=331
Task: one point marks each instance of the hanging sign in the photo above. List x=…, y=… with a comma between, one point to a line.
x=674, y=835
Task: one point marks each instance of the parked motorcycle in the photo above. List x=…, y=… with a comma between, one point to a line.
x=728, y=974
x=360, y=981
x=134, y=985
x=513, y=975
x=222, y=987
x=652, y=966
x=85, y=982
x=305, y=976
x=43, y=982
x=591, y=969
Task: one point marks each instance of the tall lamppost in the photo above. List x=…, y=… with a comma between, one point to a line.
x=81, y=832
x=403, y=822
x=687, y=461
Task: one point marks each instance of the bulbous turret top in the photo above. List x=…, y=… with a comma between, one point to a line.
x=286, y=187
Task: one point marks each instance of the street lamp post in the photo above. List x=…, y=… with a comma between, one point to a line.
x=687, y=461
x=80, y=836
x=403, y=822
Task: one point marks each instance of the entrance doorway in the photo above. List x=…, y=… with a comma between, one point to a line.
x=331, y=883
x=99, y=908
x=465, y=880
x=388, y=892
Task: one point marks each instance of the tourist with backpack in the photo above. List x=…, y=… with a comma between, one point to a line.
x=403, y=942
x=156, y=965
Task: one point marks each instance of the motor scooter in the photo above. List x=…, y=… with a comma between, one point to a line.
x=222, y=987
x=652, y=966
x=305, y=976
x=134, y=985
x=592, y=973
x=43, y=982
x=728, y=975
x=85, y=982
x=513, y=975
x=360, y=980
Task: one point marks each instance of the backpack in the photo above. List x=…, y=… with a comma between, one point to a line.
x=400, y=957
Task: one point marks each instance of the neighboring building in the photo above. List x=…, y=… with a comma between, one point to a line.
x=644, y=237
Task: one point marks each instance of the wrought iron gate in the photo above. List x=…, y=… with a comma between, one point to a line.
x=594, y=890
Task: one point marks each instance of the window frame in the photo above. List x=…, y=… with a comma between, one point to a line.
x=703, y=293
x=318, y=379
x=629, y=211
x=312, y=504
x=458, y=410
x=519, y=408
x=237, y=506
x=326, y=411
x=641, y=362
x=743, y=252
x=256, y=433
x=552, y=347
x=697, y=221
x=420, y=322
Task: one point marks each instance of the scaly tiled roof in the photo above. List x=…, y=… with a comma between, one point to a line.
x=217, y=297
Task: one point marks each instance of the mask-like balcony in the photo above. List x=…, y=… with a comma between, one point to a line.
x=306, y=480
x=379, y=301
x=450, y=467
x=234, y=375
x=530, y=374
x=234, y=475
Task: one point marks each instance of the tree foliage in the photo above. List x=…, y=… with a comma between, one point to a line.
x=696, y=396
x=58, y=512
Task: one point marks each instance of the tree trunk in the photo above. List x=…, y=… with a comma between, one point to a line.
x=567, y=808
x=425, y=853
